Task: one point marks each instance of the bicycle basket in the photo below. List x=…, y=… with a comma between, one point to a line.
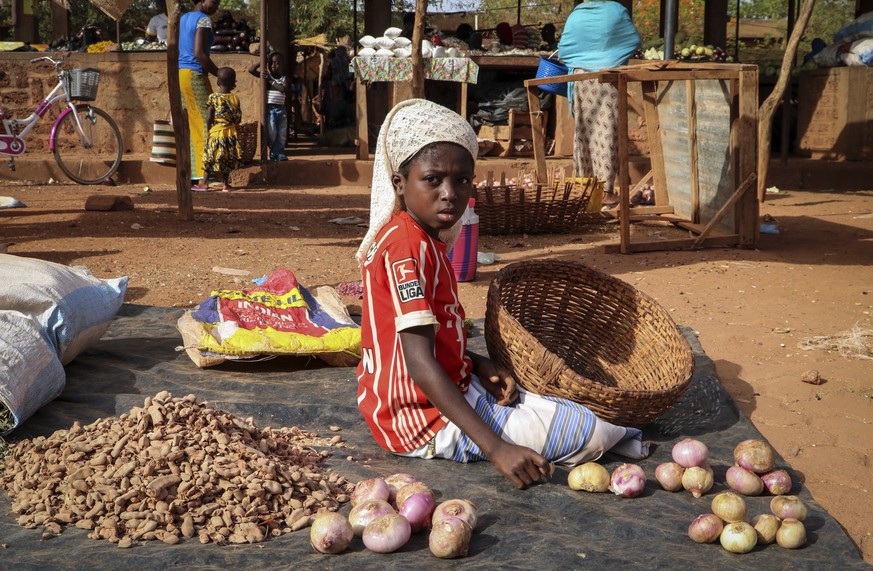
x=81, y=84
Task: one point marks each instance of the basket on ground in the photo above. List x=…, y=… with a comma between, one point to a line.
x=536, y=209
x=569, y=331
x=81, y=84
x=247, y=134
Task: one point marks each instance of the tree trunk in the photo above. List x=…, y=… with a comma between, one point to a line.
x=417, y=59
x=180, y=119
x=768, y=108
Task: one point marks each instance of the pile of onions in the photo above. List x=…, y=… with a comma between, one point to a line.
x=395, y=482
x=690, y=452
x=744, y=481
x=387, y=533
x=697, y=480
x=461, y=509
x=669, y=475
x=755, y=455
x=365, y=512
x=738, y=537
x=730, y=507
x=706, y=528
x=628, y=481
x=591, y=477
x=371, y=489
x=791, y=534
x=450, y=538
x=330, y=533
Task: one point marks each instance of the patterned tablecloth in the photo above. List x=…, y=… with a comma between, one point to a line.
x=458, y=69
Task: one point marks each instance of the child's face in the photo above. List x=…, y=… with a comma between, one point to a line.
x=275, y=65
x=438, y=188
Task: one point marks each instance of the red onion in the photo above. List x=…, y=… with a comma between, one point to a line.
x=418, y=509
x=791, y=534
x=669, y=475
x=785, y=507
x=372, y=489
x=331, y=533
x=397, y=481
x=777, y=482
x=387, y=533
x=450, y=538
x=744, y=481
x=409, y=489
x=690, y=452
x=365, y=512
x=755, y=455
x=628, y=481
x=461, y=509
x=730, y=507
x=705, y=528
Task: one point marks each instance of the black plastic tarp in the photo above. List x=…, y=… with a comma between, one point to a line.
x=548, y=526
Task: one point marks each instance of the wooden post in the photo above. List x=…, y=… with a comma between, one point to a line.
x=361, y=115
x=746, y=219
x=265, y=65
x=653, y=129
x=539, y=139
x=60, y=22
x=690, y=99
x=417, y=59
x=180, y=118
x=623, y=176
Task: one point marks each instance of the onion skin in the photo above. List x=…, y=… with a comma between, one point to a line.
x=365, y=512
x=387, y=533
x=766, y=526
x=628, y=481
x=418, y=509
x=590, y=476
x=409, y=489
x=706, y=528
x=461, y=509
x=330, y=533
x=785, y=507
x=669, y=475
x=730, y=507
x=738, y=537
x=755, y=455
x=744, y=481
x=777, y=482
x=791, y=534
x=370, y=489
x=690, y=452
x=697, y=480
x=450, y=538
x=397, y=481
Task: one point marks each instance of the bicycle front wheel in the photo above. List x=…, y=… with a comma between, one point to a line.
x=93, y=154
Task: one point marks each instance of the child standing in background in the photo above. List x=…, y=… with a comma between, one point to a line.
x=277, y=128
x=222, y=154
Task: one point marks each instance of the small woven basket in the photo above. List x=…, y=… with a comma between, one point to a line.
x=569, y=331
x=81, y=84
x=247, y=134
x=541, y=209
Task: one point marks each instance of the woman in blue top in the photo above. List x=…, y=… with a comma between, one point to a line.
x=599, y=34
x=195, y=64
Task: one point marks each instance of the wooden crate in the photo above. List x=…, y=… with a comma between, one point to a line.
x=834, y=114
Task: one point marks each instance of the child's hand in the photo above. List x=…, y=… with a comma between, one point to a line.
x=265, y=75
x=520, y=465
x=497, y=381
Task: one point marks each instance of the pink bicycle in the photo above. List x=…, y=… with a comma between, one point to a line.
x=84, y=139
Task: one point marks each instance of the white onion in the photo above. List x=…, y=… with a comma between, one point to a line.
x=590, y=476
x=418, y=509
x=628, y=481
x=365, y=512
x=791, y=534
x=450, y=538
x=669, y=475
x=697, y=480
x=755, y=455
x=387, y=533
x=330, y=533
x=766, y=526
x=461, y=509
x=785, y=507
x=729, y=506
x=690, y=452
x=744, y=481
x=738, y=537
x=777, y=482
x=371, y=489
x=397, y=481
x=706, y=528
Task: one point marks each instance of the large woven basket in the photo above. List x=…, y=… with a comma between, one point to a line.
x=539, y=209
x=569, y=331
x=247, y=133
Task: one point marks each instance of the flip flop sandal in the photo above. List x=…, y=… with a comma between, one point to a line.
x=198, y=188
x=228, y=189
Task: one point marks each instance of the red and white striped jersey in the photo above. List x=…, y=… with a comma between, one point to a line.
x=408, y=282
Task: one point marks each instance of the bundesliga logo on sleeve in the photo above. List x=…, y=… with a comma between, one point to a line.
x=406, y=278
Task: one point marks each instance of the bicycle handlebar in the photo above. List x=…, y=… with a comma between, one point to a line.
x=47, y=58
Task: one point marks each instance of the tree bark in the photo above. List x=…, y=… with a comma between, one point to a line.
x=417, y=59
x=180, y=119
x=768, y=108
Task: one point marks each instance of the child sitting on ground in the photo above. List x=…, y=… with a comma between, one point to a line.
x=419, y=389
x=277, y=128
x=222, y=153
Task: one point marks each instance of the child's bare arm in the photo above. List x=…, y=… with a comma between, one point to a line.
x=520, y=465
x=210, y=116
x=253, y=69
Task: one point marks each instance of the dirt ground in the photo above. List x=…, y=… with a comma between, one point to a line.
x=750, y=308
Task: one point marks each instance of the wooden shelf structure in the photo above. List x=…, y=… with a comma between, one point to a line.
x=701, y=120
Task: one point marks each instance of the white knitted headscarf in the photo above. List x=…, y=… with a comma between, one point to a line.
x=407, y=128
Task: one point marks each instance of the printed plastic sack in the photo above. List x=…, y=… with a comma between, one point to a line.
x=278, y=317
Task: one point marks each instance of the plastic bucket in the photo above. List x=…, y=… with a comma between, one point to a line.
x=163, y=143
x=551, y=68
